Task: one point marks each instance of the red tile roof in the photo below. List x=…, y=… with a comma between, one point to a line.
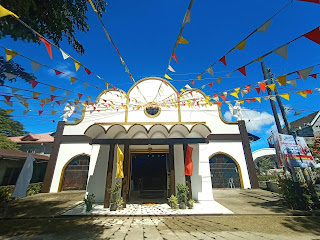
x=33, y=138
x=14, y=154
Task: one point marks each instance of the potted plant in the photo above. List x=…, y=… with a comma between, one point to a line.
x=190, y=203
x=173, y=202
x=89, y=200
x=119, y=203
x=115, y=193
x=182, y=195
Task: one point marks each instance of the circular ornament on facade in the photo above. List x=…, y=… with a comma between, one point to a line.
x=152, y=109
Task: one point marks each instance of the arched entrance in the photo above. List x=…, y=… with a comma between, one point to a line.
x=75, y=173
x=225, y=171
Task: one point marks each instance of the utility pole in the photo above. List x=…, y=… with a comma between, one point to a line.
x=273, y=106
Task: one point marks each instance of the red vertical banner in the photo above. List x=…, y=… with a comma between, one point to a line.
x=188, y=165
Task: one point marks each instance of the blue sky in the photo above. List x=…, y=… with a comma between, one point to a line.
x=145, y=33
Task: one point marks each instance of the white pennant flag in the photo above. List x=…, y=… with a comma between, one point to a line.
x=187, y=17
x=264, y=27
x=243, y=92
x=266, y=98
x=229, y=74
x=225, y=93
x=51, y=105
x=35, y=65
x=10, y=75
x=304, y=73
x=171, y=69
x=187, y=86
x=273, y=98
x=8, y=102
x=67, y=92
x=282, y=51
x=25, y=111
x=292, y=82
x=14, y=90
x=85, y=85
x=64, y=55
x=210, y=71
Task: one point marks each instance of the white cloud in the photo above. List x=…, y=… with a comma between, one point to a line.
x=65, y=68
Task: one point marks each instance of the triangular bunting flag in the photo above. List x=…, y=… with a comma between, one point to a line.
x=40, y=112
x=296, y=113
x=303, y=93
x=219, y=103
x=314, y=75
x=309, y=91
x=248, y=88
x=34, y=83
x=25, y=112
x=64, y=55
x=25, y=104
x=171, y=69
x=219, y=79
x=282, y=51
x=313, y=35
x=77, y=64
x=223, y=60
x=292, y=82
x=210, y=71
x=192, y=82
x=10, y=53
x=264, y=27
x=285, y=96
x=8, y=111
x=5, y=12
x=182, y=40
x=237, y=90
x=259, y=59
x=258, y=99
x=53, y=112
x=241, y=45
x=35, y=65
x=52, y=97
x=67, y=92
x=167, y=77
x=272, y=86
x=243, y=92
x=14, y=90
x=174, y=57
x=107, y=85
x=210, y=84
x=258, y=90
x=263, y=86
x=235, y=94
x=223, y=97
x=35, y=95
x=58, y=102
x=273, y=98
x=187, y=17
x=80, y=95
x=52, y=89
x=47, y=44
x=304, y=73
x=72, y=79
x=282, y=80
x=87, y=71
x=242, y=70
x=9, y=103
x=57, y=72
x=199, y=77
x=85, y=85
x=7, y=98
x=241, y=101
x=312, y=1
x=229, y=74
x=42, y=105
x=10, y=75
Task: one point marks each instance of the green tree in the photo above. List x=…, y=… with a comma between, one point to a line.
x=51, y=18
x=9, y=126
x=5, y=143
x=265, y=164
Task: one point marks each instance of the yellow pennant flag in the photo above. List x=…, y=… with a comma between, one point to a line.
x=183, y=40
x=42, y=101
x=9, y=111
x=76, y=101
x=47, y=100
x=241, y=101
x=241, y=45
x=167, y=77
x=207, y=101
x=237, y=90
x=258, y=99
x=282, y=80
x=35, y=94
x=10, y=54
x=25, y=104
x=182, y=90
x=235, y=94
x=199, y=77
x=89, y=97
x=219, y=79
x=119, y=163
x=259, y=58
x=5, y=12
x=271, y=86
x=107, y=85
x=285, y=96
x=77, y=64
x=78, y=107
x=303, y=93
x=52, y=89
x=84, y=105
x=53, y=112
x=72, y=79
x=175, y=105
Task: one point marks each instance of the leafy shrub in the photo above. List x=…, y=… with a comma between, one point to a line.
x=173, y=201
x=6, y=191
x=271, y=178
x=34, y=188
x=182, y=194
x=115, y=192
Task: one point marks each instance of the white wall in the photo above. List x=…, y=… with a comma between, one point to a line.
x=66, y=152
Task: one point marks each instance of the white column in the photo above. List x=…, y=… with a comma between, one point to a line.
x=179, y=164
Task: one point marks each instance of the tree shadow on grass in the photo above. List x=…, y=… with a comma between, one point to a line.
x=303, y=224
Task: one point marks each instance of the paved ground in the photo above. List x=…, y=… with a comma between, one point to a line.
x=169, y=228
x=250, y=201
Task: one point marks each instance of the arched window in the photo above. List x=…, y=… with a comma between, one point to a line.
x=224, y=172
x=75, y=174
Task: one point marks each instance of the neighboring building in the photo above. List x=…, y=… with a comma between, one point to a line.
x=35, y=143
x=11, y=163
x=153, y=125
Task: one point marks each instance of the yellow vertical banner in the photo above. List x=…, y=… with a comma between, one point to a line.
x=119, y=163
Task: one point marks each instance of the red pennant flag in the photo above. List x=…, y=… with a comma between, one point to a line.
x=47, y=44
x=40, y=112
x=210, y=84
x=313, y=35
x=219, y=103
x=80, y=95
x=42, y=105
x=253, y=99
x=248, y=88
x=192, y=82
x=309, y=91
x=174, y=57
x=33, y=83
x=299, y=74
x=258, y=90
x=242, y=70
x=58, y=102
x=223, y=60
x=314, y=75
x=87, y=71
x=198, y=104
x=223, y=97
x=263, y=86
x=216, y=95
x=74, y=111
x=248, y=100
x=57, y=72
x=52, y=97
x=114, y=88
x=188, y=165
x=312, y=1
x=191, y=94
x=94, y=108
x=7, y=98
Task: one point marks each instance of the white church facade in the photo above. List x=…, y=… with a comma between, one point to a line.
x=152, y=124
